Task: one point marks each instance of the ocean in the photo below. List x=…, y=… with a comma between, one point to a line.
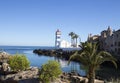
x=36, y=60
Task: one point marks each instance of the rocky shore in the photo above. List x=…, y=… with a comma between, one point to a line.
x=60, y=53
x=106, y=72
x=31, y=75
x=76, y=78
x=28, y=76
x=65, y=54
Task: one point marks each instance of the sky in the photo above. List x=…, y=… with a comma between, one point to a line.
x=34, y=22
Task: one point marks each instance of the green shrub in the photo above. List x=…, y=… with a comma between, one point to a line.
x=49, y=71
x=19, y=62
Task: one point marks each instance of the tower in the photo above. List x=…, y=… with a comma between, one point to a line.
x=57, y=38
x=109, y=31
x=89, y=37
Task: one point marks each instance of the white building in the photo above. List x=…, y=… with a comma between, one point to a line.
x=65, y=44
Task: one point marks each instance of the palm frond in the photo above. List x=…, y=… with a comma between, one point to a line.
x=75, y=55
x=105, y=56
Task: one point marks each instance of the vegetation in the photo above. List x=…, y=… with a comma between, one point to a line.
x=71, y=34
x=74, y=37
x=19, y=62
x=91, y=58
x=49, y=71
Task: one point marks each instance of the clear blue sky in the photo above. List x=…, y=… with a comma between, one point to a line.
x=34, y=22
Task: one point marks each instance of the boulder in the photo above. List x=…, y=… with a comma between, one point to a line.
x=22, y=75
x=8, y=81
x=4, y=56
x=76, y=78
x=5, y=66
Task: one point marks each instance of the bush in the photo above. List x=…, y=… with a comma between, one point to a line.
x=19, y=62
x=49, y=71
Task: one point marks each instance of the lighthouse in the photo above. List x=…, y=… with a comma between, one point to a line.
x=57, y=38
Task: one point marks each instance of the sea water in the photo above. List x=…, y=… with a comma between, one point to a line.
x=36, y=60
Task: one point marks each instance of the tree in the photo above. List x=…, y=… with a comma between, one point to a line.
x=91, y=58
x=49, y=71
x=76, y=37
x=19, y=62
x=71, y=34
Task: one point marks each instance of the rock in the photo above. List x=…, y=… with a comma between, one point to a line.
x=0, y=67
x=83, y=81
x=22, y=75
x=5, y=69
x=32, y=76
x=8, y=81
x=60, y=81
x=76, y=78
x=5, y=66
x=33, y=80
x=4, y=56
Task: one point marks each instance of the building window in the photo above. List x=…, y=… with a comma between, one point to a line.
x=115, y=43
x=105, y=43
x=58, y=37
x=117, y=35
x=115, y=49
x=118, y=43
x=118, y=50
x=111, y=45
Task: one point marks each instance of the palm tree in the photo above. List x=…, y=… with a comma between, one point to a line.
x=76, y=37
x=91, y=58
x=71, y=34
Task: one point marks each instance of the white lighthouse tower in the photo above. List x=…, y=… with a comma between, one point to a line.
x=57, y=38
